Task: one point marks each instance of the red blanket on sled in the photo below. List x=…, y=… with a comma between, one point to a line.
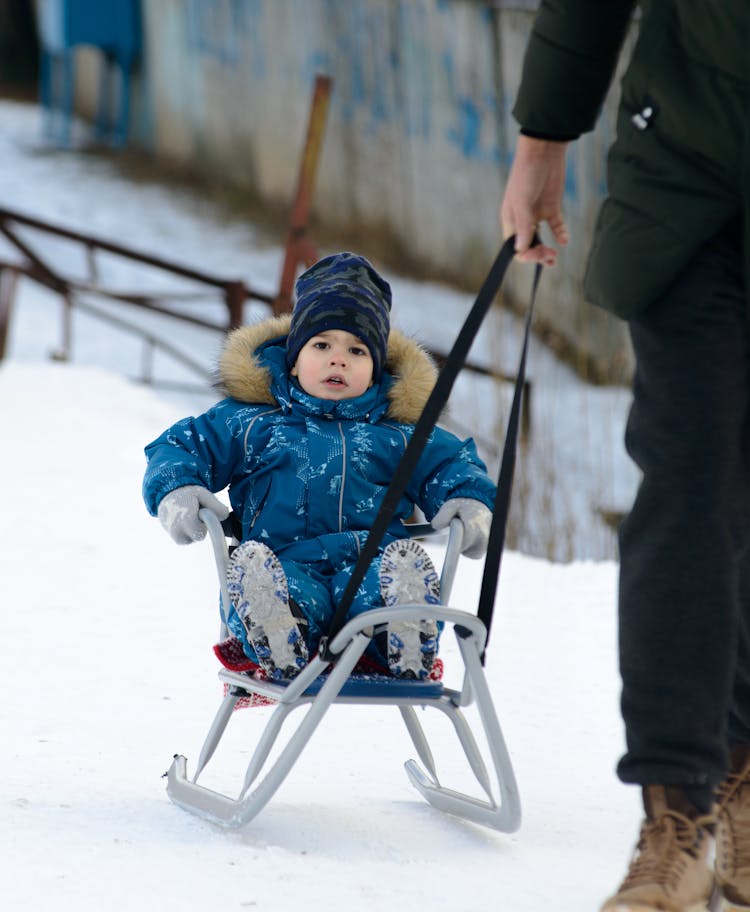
x=231, y=655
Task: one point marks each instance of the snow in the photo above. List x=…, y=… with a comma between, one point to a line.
x=107, y=670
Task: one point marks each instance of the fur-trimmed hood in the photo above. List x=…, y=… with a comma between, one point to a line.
x=244, y=377
x=306, y=475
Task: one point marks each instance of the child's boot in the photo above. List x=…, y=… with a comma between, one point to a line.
x=408, y=576
x=258, y=589
x=669, y=869
x=733, y=834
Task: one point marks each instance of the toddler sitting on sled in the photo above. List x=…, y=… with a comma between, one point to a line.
x=320, y=407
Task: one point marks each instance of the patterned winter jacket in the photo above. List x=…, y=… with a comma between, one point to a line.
x=307, y=475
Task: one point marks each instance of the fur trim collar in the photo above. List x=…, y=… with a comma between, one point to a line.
x=414, y=373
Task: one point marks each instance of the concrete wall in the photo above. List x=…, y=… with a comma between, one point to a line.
x=419, y=136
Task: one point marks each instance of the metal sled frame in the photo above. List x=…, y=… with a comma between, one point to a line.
x=499, y=806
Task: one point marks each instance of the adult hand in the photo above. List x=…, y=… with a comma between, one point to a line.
x=533, y=195
x=476, y=519
x=178, y=512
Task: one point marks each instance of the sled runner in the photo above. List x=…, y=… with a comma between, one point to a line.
x=317, y=688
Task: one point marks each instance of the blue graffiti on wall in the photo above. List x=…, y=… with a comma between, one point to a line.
x=228, y=31
x=394, y=66
x=474, y=119
x=397, y=65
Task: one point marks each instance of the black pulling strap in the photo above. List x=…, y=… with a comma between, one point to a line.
x=501, y=507
x=433, y=407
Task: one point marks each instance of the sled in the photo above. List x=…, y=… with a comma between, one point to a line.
x=331, y=676
x=320, y=685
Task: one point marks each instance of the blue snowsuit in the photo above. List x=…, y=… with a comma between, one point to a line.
x=306, y=476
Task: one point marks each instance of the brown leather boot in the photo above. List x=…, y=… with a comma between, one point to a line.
x=669, y=870
x=733, y=834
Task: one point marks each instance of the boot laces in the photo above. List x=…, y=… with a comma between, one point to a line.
x=735, y=830
x=666, y=847
x=731, y=785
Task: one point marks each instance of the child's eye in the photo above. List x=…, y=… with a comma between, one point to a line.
x=320, y=345
x=358, y=350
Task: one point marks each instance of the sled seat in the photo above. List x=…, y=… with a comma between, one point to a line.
x=369, y=686
x=320, y=684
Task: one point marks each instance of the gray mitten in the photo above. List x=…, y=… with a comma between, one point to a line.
x=178, y=512
x=476, y=518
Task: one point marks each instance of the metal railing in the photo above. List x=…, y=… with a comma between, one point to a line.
x=79, y=292
x=76, y=293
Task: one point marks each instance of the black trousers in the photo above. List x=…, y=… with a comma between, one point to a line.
x=684, y=600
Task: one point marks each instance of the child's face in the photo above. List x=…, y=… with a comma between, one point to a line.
x=334, y=365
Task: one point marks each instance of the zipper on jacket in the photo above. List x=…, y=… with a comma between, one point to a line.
x=343, y=478
x=395, y=427
x=252, y=422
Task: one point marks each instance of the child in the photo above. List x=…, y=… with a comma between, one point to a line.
x=321, y=407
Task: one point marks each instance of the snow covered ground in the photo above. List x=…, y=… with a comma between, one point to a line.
x=107, y=671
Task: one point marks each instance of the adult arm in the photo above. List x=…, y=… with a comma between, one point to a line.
x=568, y=67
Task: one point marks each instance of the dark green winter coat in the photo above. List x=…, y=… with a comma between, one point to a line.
x=680, y=166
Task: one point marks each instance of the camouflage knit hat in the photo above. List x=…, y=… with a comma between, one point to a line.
x=342, y=291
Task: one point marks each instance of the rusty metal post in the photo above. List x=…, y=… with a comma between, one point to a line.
x=8, y=279
x=299, y=247
x=235, y=295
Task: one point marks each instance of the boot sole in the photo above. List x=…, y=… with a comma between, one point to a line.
x=408, y=576
x=258, y=589
x=726, y=905
x=640, y=907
